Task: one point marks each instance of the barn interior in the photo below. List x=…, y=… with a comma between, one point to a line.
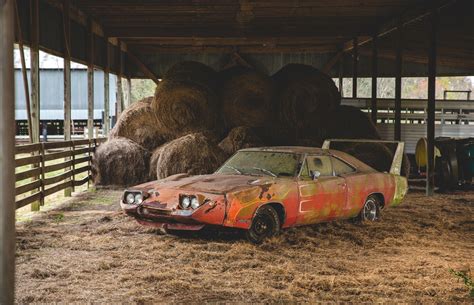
x=346, y=40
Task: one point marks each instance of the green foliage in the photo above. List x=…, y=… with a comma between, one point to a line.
x=466, y=278
x=142, y=88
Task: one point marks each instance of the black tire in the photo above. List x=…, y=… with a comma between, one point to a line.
x=371, y=210
x=265, y=224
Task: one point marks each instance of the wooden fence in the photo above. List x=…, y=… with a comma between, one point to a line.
x=37, y=166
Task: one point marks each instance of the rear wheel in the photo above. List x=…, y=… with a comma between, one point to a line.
x=265, y=223
x=371, y=210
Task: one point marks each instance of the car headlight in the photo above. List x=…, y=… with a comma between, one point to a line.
x=130, y=198
x=194, y=203
x=138, y=198
x=185, y=202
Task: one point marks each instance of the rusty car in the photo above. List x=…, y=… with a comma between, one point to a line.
x=264, y=190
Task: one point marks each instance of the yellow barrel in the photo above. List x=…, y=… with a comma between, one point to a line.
x=421, y=152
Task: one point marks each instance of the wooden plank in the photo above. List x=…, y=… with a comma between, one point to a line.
x=58, y=178
x=107, y=88
x=119, y=92
x=27, y=200
x=355, y=63
x=27, y=160
x=82, y=160
x=27, y=174
x=53, y=145
x=82, y=169
x=27, y=187
x=28, y=148
x=430, y=126
x=61, y=154
x=55, y=167
x=84, y=150
x=80, y=142
x=145, y=70
x=58, y=187
x=82, y=181
x=398, y=83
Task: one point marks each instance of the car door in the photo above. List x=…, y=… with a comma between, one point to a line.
x=323, y=198
x=347, y=172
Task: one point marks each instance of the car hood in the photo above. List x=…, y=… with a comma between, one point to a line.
x=214, y=183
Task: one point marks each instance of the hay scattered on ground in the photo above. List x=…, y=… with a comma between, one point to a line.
x=246, y=97
x=120, y=162
x=305, y=96
x=139, y=124
x=90, y=252
x=194, y=154
x=238, y=138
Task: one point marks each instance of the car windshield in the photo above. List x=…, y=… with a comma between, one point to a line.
x=269, y=163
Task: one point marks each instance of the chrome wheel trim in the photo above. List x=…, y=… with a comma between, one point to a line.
x=370, y=210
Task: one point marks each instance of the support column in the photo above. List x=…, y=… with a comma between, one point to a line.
x=398, y=84
x=67, y=81
x=119, y=99
x=129, y=88
x=341, y=75
x=355, y=54
x=373, y=104
x=430, y=170
x=7, y=160
x=107, y=88
x=90, y=80
x=34, y=72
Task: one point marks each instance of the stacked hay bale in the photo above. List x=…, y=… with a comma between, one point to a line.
x=238, y=138
x=186, y=100
x=305, y=97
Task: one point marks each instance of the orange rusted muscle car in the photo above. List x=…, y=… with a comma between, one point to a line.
x=263, y=190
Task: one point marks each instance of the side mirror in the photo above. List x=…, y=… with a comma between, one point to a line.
x=315, y=175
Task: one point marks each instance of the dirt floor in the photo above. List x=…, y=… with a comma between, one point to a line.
x=87, y=250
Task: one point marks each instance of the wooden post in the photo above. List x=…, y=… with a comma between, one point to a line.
x=67, y=81
x=373, y=105
x=34, y=72
x=7, y=153
x=23, y=71
x=341, y=75
x=355, y=54
x=119, y=98
x=107, y=88
x=129, y=88
x=398, y=84
x=35, y=80
x=90, y=80
x=430, y=169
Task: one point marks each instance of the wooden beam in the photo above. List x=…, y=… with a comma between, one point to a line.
x=23, y=70
x=67, y=81
x=90, y=80
x=107, y=88
x=145, y=70
x=331, y=62
x=398, y=83
x=341, y=75
x=373, y=105
x=430, y=126
x=34, y=72
x=7, y=162
x=355, y=60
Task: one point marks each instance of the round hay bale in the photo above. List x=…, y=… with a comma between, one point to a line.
x=376, y=155
x=305, y=96
x=139, y=124
x=348, y=122
x=192, y=71
x=155, y=155
x=193, y=154
x=238, y=138
x=185, y=106
x=246, y=97
x=120, y=162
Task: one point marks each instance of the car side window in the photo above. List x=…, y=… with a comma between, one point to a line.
x=304, y=170
x=341, y=167
x=321, y=164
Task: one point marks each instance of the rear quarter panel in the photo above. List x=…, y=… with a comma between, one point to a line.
x=362, y=185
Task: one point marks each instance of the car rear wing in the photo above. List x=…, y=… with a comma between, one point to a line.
x=396, y=166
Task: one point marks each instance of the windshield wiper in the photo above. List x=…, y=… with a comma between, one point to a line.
x=235, y=169
x=266, y=171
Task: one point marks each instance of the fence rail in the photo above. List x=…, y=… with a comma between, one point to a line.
x=43, y=169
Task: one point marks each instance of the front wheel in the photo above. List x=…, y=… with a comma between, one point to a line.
x=265, y=223
x=371, y=210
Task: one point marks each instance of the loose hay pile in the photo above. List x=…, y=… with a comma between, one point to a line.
x=194, y=154
x=120, y=161
x=139, y=124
